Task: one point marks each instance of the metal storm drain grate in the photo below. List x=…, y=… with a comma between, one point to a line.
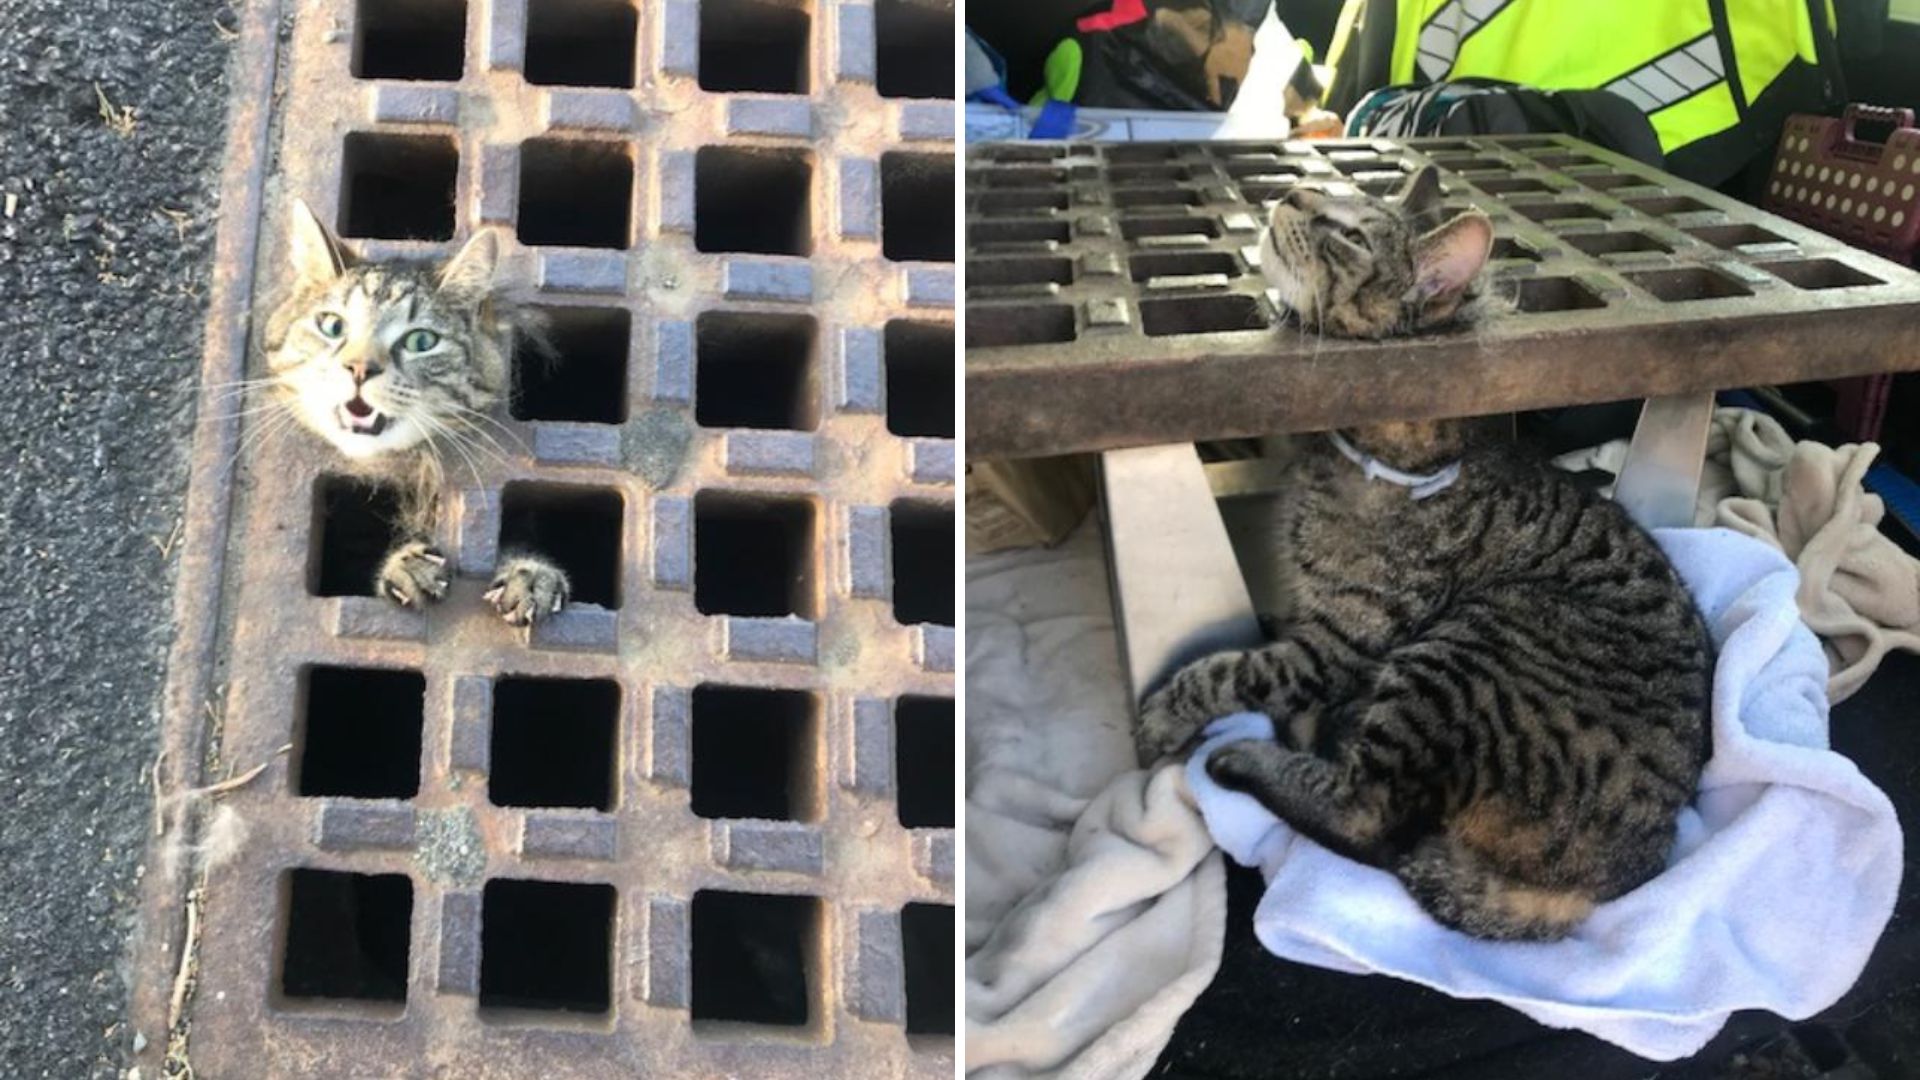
x=702, y=822
x=1114, y=295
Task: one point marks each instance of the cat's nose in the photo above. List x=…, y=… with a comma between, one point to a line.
x=362, y=369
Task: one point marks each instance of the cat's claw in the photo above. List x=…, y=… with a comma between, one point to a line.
x=528, y=589
x=413, y=574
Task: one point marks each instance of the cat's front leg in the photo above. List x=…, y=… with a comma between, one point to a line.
x=1307, y=668
x=413, y=574
x=528, y=588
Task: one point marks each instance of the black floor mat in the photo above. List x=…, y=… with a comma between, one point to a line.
x=1264, y=1018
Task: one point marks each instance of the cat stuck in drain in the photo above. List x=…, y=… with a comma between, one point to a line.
x=1491, y=682
x=394, y=365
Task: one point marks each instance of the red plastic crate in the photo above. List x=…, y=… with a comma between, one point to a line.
x=1866, y=193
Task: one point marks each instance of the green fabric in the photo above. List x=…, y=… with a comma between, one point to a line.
x=1062, y=74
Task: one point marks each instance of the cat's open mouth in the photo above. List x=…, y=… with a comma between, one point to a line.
x=361, y=418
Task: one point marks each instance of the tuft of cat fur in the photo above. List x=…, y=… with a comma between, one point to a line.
x=394, y=364
x=1497, y=692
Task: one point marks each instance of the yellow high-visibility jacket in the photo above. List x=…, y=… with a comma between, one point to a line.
x=1716, y=77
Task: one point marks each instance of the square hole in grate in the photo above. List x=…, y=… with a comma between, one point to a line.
x=578, y=528
x=1033, y=270
x=1263, y=193
x=358, y=733
x=1730, y=237
x=756, y=753
x=1562, y=211
x=753, y=200
x=345, y=936
x=1201, y=315
x=755, y=45
x=755, y=371
x=576, y=193
x=1820, y=274
x=1551, y=294
x=1134, y=174
x=1615, y=181
x=1128, y=198
x=1020, y=153
x=753, y=555
x=1138, y=152
x=398, y=187
x=353, y=524
x=554, y=742
x=923, y=762
x=754, y=957
x=1688, y=283
x=423, y=40
x=584, y=379
x=1134, y=228
x=1506, y=247
x=916, y=207
x=1511, y=185
x=1615, y=243
x=1146, y=267
x=1265, y=168
x=1038, y=324
x=546, y=945
x=926, y=946
x=923, y=561
x=1023, y=177
x=913, y=48
x=1667, y=206
x=1035, y=233
x=1002, y=203
x=581, y=42
x=919, y=360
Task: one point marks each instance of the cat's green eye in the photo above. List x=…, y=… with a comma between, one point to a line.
x=330, y=325
x=419, y=341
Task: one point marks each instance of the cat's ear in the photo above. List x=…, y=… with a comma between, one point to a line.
x=1419, y=198
x=1446, y=260
x=314, y=252
x=469, y=274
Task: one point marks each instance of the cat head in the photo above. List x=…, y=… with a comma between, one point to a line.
x=1362, y=266
x=378, y=358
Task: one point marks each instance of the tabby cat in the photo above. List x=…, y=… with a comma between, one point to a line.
x=393, y=364
x=1492, y=684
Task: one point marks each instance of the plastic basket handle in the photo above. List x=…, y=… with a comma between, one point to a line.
x=1895, y=118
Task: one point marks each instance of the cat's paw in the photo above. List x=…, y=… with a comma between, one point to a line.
x=528, y=589
x=1235, y=765
x=1162, y=730
x=413, y=574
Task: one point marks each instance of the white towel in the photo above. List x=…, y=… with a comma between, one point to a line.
x=1783, y=877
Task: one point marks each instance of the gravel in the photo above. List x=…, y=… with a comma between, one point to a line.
x=111, y=122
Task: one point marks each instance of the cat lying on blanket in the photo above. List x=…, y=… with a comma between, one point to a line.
x=1494, y=684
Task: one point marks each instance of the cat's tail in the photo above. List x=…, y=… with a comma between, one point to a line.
x=1462, y=889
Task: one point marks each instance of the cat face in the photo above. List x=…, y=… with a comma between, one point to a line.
x=1360, y=266
x=377, y=359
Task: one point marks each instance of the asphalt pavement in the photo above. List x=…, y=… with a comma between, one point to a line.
x=111, y=122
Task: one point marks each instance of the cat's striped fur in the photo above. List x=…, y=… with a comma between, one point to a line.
x=1497, y=692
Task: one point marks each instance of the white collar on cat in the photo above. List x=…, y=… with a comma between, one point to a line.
x=1419, y=487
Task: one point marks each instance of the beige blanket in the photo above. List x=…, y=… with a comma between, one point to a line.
x=1858, y=591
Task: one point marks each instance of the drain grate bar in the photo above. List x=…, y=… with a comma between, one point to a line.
x=1114, y=295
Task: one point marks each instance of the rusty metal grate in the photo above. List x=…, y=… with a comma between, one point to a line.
x=1114, y=296
x=701, y=823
